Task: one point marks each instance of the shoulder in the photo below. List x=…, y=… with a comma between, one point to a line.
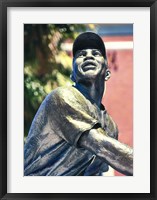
x=59, y=92
x=62, y=91
x=66, y=94
x=71, y=100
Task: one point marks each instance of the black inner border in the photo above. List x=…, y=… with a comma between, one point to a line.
x=4, y=4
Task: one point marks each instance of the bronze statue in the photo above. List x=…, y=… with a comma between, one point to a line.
x=72, y=134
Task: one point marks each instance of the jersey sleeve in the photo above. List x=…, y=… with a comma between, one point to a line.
x=70, y=114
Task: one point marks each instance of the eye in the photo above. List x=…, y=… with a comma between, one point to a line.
x=81, y=54
x=97, y=53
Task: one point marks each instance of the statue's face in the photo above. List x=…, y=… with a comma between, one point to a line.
x=88, y=64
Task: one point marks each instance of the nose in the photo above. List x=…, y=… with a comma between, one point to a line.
x=89, y=56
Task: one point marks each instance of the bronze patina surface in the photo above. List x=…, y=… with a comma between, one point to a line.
x=72, y=134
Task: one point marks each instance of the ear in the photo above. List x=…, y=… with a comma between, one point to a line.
x=107, y=75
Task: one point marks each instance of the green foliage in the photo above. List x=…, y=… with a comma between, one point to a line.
x=46, y=65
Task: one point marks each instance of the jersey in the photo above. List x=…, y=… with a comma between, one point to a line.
x=51, y=147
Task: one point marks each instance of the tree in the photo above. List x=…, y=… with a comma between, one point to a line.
x=46, y=65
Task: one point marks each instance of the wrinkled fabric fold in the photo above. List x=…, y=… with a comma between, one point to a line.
x=51, y=148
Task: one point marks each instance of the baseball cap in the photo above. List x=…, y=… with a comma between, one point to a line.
x=89, y=40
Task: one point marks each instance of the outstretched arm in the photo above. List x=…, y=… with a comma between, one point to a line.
x=116, y=154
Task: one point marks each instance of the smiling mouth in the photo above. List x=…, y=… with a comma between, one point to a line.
x=88, y=65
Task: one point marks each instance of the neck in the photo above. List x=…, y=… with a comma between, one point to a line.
x=93, y=90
